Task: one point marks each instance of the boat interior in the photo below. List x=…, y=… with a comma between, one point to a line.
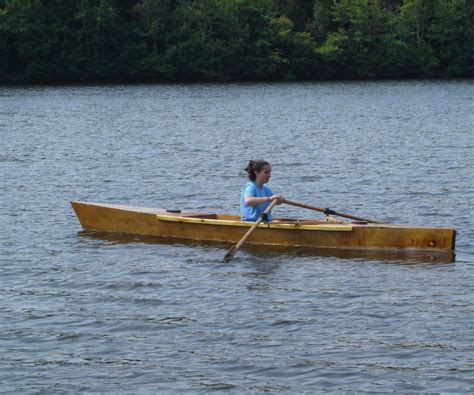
x=227, y=217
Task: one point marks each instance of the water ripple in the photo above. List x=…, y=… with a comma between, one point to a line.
x=104, y=313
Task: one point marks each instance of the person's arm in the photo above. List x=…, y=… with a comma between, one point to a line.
x=254, y=201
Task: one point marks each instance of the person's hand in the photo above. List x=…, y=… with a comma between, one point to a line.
x=279, y=198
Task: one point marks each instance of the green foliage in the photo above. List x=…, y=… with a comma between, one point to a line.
x=96, y=39
x=24, y=21
x=223, y=40
x=295, y=50
x=451, y=34
x=321, y=24
x=154, y=15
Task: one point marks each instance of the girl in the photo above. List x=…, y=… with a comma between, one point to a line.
x=256, y=196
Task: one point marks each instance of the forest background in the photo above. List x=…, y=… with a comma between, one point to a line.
x=56, y=41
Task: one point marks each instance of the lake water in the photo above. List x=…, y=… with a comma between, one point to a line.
x=87, y=313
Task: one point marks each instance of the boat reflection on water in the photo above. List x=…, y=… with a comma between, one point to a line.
x=390, y=256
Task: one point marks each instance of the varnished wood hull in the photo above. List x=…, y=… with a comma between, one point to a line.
x=226, y=228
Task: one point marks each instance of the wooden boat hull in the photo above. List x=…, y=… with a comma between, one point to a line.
x=226, y=228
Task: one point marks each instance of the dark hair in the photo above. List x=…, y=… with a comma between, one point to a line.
x=254, y=166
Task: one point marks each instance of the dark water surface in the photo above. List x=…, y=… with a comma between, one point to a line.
x=82, y=313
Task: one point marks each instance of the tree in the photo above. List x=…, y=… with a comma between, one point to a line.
x=255, y=57
x=98, y=36
x=25, y=39
x=208, y=40
x=200, y=42
x=298, y=11
x=451, y=34
x=358, y=46
x=321, y=24
x=296, y=50
x=417, y=16
x=154, y=15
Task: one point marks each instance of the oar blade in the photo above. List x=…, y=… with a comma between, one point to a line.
x=230, y=254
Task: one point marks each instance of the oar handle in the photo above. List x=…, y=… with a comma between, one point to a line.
x=328, y=211
x=235, y=248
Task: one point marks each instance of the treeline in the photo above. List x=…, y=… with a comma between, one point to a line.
x=47, y=41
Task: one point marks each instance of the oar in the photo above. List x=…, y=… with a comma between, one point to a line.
x=328, y=211
x=235, y=248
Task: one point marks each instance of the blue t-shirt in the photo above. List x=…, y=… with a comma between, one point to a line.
x=252, y=213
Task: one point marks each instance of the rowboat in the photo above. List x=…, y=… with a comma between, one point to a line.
x=310, y=233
